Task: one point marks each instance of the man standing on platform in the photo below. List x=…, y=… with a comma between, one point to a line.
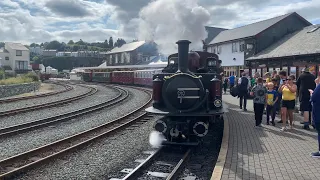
x=243, y=88
x=232, y=78
x=305, y=82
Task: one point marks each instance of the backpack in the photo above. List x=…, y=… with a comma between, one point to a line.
x=234, y=91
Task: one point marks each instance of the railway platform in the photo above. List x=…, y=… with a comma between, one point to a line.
x=250, y=152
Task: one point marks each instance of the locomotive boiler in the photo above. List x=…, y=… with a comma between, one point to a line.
x=189, y=101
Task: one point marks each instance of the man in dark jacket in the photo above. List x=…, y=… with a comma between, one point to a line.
x=305, y=82
x=243, y=87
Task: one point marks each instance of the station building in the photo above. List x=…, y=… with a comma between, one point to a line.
x=236, y=46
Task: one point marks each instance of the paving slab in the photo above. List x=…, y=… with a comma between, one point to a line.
x=266, y=152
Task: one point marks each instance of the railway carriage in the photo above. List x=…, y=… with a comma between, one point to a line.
x=144, y=77
x=123, y=77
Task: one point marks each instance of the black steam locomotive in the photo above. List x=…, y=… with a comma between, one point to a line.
x=189, y=101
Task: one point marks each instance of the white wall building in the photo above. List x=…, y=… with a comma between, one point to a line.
x=16, y=56
x=231, y=54
x=36, y=50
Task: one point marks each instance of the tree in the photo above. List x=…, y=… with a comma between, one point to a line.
x=75, y=48
x=2, y=44
x=120, y=42
x=70, y=42
x=34, y=45
x=110, y=42
x=36, y=60
x=105, y=44
x=53, y=45
x=81, y=42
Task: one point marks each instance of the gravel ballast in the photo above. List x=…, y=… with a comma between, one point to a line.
x=26, y=141
x=97, y=160
x=103, y=94
x=77, y=90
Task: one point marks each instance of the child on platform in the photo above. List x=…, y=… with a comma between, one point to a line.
x=272, y=98
x=259, y=93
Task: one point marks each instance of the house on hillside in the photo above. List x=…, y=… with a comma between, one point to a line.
x=49, y=52
x=131, y=54
x=15, y=57
x=234, y=46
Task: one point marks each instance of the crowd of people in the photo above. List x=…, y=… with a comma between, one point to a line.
x=277, y=93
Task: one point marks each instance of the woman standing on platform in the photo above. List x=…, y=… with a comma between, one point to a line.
x=288, y=91
x=315, y=100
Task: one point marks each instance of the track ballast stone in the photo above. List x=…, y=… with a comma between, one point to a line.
x=42, y=100
x=36, y=138
x=103, y=94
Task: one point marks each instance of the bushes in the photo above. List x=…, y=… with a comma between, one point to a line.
x=32, y=75
x=27, y=78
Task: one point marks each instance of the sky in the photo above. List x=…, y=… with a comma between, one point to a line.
x=28, y=21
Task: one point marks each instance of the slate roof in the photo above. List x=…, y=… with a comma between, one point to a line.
x=298, y=43
x=212, y=33
x=248, y=30
x=127, y=47
x=17, y=46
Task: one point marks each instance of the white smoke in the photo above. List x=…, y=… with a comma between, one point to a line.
x=167, y=21
x=156, y=139
x=225, y=107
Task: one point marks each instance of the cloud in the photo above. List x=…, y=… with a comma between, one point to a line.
x=162, y=20
x=68, y=8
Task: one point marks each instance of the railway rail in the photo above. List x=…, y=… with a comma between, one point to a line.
x=91, y=91
x=141, y=171
x=20, y=163
x=20, y=128
x=67, y=88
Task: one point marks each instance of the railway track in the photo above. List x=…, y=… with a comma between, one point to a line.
x=67, y=88
x=171, y=165
x=91, y=91
x=20, y=128
x=20, y=163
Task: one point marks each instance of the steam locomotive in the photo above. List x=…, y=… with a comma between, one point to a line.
x=188, y=101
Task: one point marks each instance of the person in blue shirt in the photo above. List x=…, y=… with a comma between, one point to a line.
x=315, y=100
x=231, y=81
x=272, y=98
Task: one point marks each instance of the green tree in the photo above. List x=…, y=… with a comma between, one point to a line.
x=70, y=42
x=110, y=42
x=53, y=45
x=35, y=58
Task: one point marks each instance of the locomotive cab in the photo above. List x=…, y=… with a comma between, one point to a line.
x=189, y=101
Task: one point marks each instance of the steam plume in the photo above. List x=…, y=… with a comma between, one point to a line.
x=167, y=21
x=156, y=139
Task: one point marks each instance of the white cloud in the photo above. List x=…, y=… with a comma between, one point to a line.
x=36, y=21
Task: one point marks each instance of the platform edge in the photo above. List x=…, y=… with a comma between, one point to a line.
x=218, y=169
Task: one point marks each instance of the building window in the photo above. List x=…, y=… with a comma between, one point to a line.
x=241, y=47
x=18, y=53
x=234, y=47
x=219, y=49
x=7, y=58
x=21, y=65
x=214, y=50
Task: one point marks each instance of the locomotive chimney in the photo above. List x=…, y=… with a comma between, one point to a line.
x=183, y=50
